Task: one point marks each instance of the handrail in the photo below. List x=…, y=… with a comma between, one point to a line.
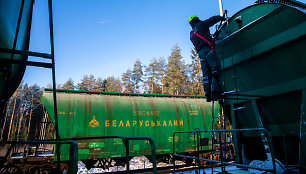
x=266, y=134
x=126, y=143
x=73, y=155
x=74, y=148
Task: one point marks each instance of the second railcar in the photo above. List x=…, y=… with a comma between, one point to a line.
x=89, y=114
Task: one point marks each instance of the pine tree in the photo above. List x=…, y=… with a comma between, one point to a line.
x=113, y=85
x=154, y=73
x=68, y=85
x=176, y=76
x=87, y=83
x=127, y=82
x=137, y=75
x=195, y=86
x=99, y=85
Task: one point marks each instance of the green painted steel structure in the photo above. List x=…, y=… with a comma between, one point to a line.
x=15, y=26
x=262, y=49
x=89, y=114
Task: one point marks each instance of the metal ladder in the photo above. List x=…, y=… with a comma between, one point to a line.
x=218, y=138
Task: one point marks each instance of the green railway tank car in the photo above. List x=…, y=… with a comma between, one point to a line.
x=263, y=51
x=15, y=25
x=89, y=114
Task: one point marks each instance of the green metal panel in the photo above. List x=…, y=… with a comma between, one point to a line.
x=104, y=114
x=264, y=55
x=11, y=74
x=302, y=154
x=267, y=54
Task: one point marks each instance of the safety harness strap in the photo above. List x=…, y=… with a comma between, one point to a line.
x=211, y=44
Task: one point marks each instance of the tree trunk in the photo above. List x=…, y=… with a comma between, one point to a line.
x=20, y=120
x=162, y=85
x=8, y=135
x=29, y=120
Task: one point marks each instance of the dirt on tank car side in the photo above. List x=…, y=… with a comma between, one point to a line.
x=89, y=114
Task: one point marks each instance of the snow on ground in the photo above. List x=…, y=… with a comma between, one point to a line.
x=229, y=169
x=142, y=162
x=135, y=163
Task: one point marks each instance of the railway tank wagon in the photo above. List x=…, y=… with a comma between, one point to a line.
x=15, y=34
x=89, y=114
x=262, y=49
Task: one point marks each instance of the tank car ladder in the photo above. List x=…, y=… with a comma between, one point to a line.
x=219, y=138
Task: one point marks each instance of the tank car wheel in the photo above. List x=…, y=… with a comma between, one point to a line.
x=10, y=168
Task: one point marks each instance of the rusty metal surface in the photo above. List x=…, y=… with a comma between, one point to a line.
x=90, y=114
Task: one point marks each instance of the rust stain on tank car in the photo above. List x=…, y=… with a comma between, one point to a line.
x=108, y=109
x=69, y=108
x=200, y=106
x=136, y=109
x=176, y=108
x=85, y=110
x=186, y=111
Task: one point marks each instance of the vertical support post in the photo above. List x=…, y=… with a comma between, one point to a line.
x=18, y=27
x=260, y=125
x=234, y=134
x=73, y=158
x=302, y=142
x=173, y=153
x=54, y=82
x=221, y=151
x=194, y=145
x=127, y=154
x=221, y=7
x=198, y=150
x=154, y=155
x=212, y=135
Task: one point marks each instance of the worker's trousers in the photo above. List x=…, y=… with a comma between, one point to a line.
x=211, y=67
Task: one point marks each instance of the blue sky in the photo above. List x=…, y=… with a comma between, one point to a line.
x=105, y=37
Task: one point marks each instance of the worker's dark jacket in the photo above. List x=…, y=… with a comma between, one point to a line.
x=202, y=28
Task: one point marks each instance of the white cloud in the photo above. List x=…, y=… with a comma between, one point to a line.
x=106, y=21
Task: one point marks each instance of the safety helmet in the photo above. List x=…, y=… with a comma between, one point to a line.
x=191, y=17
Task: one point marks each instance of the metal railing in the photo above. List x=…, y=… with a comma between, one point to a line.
x=266, y=134
x=73, y=155
x=127, y=147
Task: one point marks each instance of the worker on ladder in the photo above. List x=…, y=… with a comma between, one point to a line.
x=210, y=63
